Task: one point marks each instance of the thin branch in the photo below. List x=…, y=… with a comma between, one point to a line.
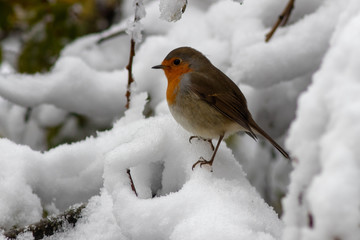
x=49, y=226
x=139, y=13
x=130, y=77
x=128, y=94
x=184, y=7
x=131, y=182
x=282, y=19
x=115, y=34
x=310, y=220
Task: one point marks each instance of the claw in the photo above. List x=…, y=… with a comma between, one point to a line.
x=200, y=138
x=190, y=138
x=202, y=161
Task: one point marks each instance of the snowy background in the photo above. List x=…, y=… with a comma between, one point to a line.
x=303, y=87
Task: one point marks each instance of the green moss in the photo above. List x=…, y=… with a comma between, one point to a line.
x=47, y=26
x=6, y=13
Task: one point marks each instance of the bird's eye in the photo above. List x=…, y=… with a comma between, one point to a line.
x=177, y=61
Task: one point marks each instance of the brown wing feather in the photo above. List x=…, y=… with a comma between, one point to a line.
x=224, y=97
x=227, y=98
x=272, y=141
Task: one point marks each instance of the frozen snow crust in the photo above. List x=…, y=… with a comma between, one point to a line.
x=302, y=87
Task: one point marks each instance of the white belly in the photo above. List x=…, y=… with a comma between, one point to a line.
x=200, y=119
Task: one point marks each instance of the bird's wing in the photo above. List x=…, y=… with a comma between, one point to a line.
x=223, y=95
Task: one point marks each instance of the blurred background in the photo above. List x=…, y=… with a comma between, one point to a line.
x=32, y=33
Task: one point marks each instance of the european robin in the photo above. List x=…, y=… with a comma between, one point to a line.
x=206, y=102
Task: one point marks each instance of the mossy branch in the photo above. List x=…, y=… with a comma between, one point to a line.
x=49, y=226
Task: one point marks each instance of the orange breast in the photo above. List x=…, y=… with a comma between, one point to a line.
x=173, y=75
x=172, y=90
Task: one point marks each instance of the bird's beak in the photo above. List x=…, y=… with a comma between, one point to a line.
x=159, y=67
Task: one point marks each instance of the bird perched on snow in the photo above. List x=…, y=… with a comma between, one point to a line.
x=206, y=102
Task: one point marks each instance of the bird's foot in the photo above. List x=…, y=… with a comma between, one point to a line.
x=197, y=137
x=202, y=162
x=204, y=139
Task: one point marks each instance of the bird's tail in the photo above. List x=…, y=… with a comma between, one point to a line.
x=259, y=130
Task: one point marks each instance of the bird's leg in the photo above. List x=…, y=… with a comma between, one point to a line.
x=202, y=161
x=200, y=138
x=211, y=144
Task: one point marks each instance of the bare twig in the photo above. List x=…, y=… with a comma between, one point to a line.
x=130, y=77
x=184, y=7
x=134, y=32
x=49, y=226
x=139, y=13
x=310, y=220
x=128, y=94
x=110, y=36
x=282, y=19
x=131, y=182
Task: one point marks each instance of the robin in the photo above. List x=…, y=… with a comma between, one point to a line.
x=206, y=102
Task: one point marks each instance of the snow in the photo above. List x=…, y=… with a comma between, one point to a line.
x=171, y=10
x=68, y=78
x=134, y=27
x=275, y=54
x=302, y=87
x=329, y=168
x=139, y=142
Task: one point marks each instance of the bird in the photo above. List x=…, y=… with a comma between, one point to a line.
x=206, y=102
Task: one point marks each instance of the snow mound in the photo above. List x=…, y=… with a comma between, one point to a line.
x=325, y=185
x=208, y=204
